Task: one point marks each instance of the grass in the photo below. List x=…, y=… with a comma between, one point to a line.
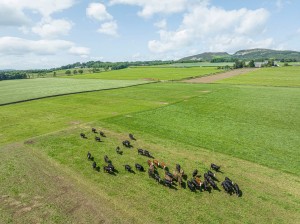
x=150, y=73
x=201, y=64
x=252, y=123
x=18, y=90
x=278, y=76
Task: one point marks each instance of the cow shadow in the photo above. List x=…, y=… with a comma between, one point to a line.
x=167, y=169
x=183, y=185
x=120, y=152
x=116, y=171
x=97, y=168
x=241, y=194
x=92, y=158
x=184, y=176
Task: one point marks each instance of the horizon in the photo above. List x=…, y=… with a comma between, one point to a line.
x=50, y=34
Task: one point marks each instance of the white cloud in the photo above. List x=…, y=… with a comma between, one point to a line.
x=162, y=24
x=19, y=46
x=49, y=28
x=203, y=23
x=11, y=16
x=98, y=11
x=109, y=28
x=151, y=7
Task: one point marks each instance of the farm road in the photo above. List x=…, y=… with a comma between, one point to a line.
x=217, y=77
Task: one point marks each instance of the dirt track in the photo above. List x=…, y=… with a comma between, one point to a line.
x=224, y=75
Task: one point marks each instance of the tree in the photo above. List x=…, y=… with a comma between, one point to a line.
x=75, y=72
x=54, y=74
x=80, y=71
x=251, y=64
x=286, y=64
x=68, y=72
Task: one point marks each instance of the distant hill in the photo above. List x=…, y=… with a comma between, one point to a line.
x=206, y=56
x=249, y=54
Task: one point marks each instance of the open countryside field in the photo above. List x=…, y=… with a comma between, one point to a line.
x=251, y=131
x=18, y=90
x=150, y=73
x=278, y=76
x=200, y=64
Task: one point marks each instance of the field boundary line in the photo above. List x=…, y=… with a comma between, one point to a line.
x=66, y=94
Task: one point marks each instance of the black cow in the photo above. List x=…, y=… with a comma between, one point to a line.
x=167, y=182
x=94, y=165
x=211, y=174
x=169, y=174
x=215, y=167
x=128, y=168
x=94, y=130
x=82, y=135
x=118, y=150
x=212, y=183
x=178, y=167
x=132, y=137
x=108, y=169
x=205, y=185
x=147, y=153
x=227, y=179
x=110, y=165
x=97, y=139
x=106, y=159
x=195, y=172
x=190, y=185
x=156, y=177
x=126, y=143
x=139, y=167
x=89, y=156
x=237, y=189
x=140, y=151
x=102, y=134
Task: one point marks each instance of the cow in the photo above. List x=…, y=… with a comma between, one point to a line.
x=89, y=156
x=178, y=167
x=156, y=163
x=195, y=172
x=94, y=130
x=167, y=182
x=147, y=153
x=179, y=179
x=157, y=178
x=169, y=175
x=97, y=139
x=149, y=162
x=227, y=187
x=227, y=179
x=215, y=167
x=197, y=183
x=126, y=143
x=94, y=165
x=106, y=159
x=102, y=134
x=108, y=169
x=132, y=137
x=82, y=135
x=205, y=185
x=190, y=186
x=150, y=172
x=237, y=189
x=163, y=165
x=118, y=150
x=229, y=183
x=140, y=151
x=139, y=167
x=211, y=174
x=111, y=166
x=212, y=183
x=128, y=168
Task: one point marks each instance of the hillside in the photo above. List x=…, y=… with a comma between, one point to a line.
x=249, y=54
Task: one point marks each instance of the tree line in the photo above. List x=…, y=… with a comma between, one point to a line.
x=7, y=75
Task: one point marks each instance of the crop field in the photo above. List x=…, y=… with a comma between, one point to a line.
x=280, y=76
x=18, y=90
x=150, y=73
x=252, y=131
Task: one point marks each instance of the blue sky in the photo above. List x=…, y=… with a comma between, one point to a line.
x=50, y=33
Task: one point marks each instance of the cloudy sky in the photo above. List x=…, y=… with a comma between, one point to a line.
x=51, y=33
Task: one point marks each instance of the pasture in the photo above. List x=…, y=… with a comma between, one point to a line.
x=278, y=76
x=18, y=90
x=251, y=131
x=151, y=73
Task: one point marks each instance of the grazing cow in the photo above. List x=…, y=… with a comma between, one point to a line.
x=110, y=165
x=94, y=130
x=108, y=169
x=132, y=137
x=97, y=139
x=181, y=171
x=237, y=189
x=169, y=174
x=168, y=183
x=227, y=179
x=118, y=150
x=140, y=151
x=128, y=168
x=211, y=174
x=156, y=163
x=102, y=134
x=229, y=183
x=89, y=156
x=82, y=135
x=139, y=167
x=197, y=183
x=157, y=178
x=215, y=167
x=190, y=185
x=150, y=172
x=126, y=143
x=106, y=159
x=94, y=165
x=149, y=162
x=195, y=172
x=178, y=167
x=179, y=179
x=205, y=185
x=146, y=153
x=212, y=183
x=163, y=165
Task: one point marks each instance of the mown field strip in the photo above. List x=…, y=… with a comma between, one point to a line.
x=13, y=91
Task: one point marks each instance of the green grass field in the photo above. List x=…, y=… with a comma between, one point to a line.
x=251, y=131
x=200, y=64
x=150, y=73
x=280, y=76
x=18, y=90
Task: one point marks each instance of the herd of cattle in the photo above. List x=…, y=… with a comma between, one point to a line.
x=194, y=184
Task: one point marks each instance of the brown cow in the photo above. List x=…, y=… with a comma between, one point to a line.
x=149, y=162
x=179, y=179
x=163, y=165
x=156, y=163
x=168, y=178
x=199, y=182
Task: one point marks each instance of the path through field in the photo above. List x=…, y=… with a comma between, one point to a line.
x=217, y=77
